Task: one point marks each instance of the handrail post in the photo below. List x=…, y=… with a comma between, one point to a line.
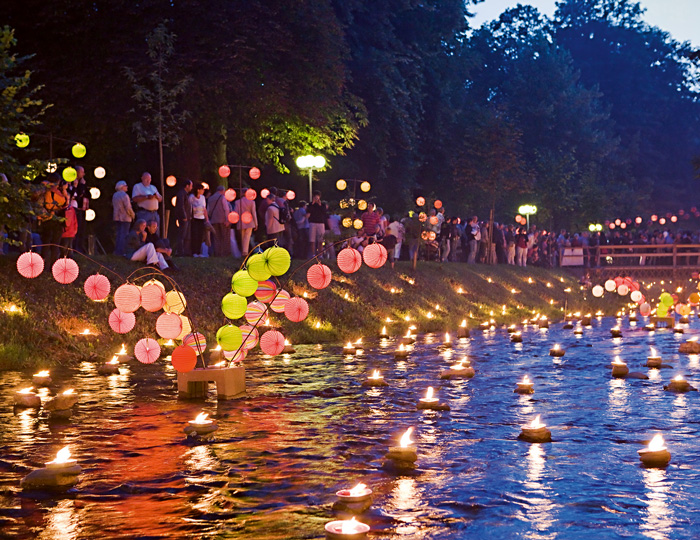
x=675, y=247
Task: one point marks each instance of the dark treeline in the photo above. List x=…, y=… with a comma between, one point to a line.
x=589, y=115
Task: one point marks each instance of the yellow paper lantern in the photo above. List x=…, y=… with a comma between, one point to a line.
x=362, y=204
x=79, y=150
x=365, y=186
x=340, y=184
x=22, y=140
x=357, y=224
x=69, y=174
x=347, y=222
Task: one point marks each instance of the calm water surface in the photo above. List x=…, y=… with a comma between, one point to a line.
x=307, y=429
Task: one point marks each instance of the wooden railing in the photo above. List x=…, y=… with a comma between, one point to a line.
x=655, y=256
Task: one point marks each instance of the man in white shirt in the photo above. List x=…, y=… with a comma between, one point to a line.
x=146, y=197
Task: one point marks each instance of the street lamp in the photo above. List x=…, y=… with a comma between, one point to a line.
x=527, y=210
x=312, y=163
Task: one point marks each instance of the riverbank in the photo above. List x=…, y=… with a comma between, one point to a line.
x=46, y=324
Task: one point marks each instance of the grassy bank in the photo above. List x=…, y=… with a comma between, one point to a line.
x=45, y=327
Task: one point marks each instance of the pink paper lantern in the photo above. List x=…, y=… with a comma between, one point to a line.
x=250, y=337
x=296, y=309
x=65, y=270
x=645, y=309
x=264, y=192
x=230, y=195
x=97, y=287
x=349, y=260
x=280, y=301
x=375, y=255
x=319, y=276
x=254, y=173
x=169, y=326
x=235, y=356
x=250, y=194
x=272, y=342
x=233, y=217
x=152, y=297
x=147, y=350
x=127, y=298
x=256, y=313
x=30, y=264
x=197, y=341
x=224, y=171
x=121, y=322
x=291, y=195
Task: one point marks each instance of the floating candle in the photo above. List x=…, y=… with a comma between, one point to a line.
x=431, y=402
x=62, y=472
x=447, y=343
x=42, y=378
x=525, y=386
x=375, y=380
x=656, y=454
x=654, y=360
x=201, y=426
x=347, y=529
x=619, y=368
x=383, y=334
x=516, y=337
x=288, y=348
x=62, y=460
x=678, y=384
x=404, y=453
x=401, y=352
x=359, y=493
x=460, y=370
x=557, y=351
x=535, y=431
x=616, y=332
x=26, y=397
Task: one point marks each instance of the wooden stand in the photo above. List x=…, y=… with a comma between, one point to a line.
x=662, y=321
x=230, y=382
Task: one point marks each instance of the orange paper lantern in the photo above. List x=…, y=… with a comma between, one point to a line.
x=184, y=358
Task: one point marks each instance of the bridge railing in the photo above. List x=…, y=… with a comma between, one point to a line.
x=650, y=256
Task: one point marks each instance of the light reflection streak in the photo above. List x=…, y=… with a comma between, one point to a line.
x=680, y=407
x=540, y=508
x=405, y=499
x=693, y=360
x=618, y=396
x=62, y=522
x=658, y=518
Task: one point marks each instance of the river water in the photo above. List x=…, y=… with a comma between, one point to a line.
x=307, y=429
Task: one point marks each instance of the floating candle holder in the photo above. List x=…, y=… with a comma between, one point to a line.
x=616, y=332
x=447, y=342
x=656, y=454
x=375, y=380
x=347, y=529
x=692, y=346
x=405, y=454
x=525, y=386
x=201, y=426
x=401, y=352
x=586, y=320
x=516, y=337
x=679, y=384
x=535, y=432
x=568, y=325
x=654, y=360
x=384, y=334
x=684, y=320
x=460, y=370
x=360, y=493
x=60, y=473
x=678, y=330
x=62, y=404
x=42, y=378
x=633, y=316
x=109, y=368
x=649, y=327
x=557, y=351
x=26, y=397
x=543, y=322
x=430, y=402
x=463, y=331
x=619, y=368
x=288, y=348
x=578, y=331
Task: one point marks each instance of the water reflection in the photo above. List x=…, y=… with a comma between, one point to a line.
x=62, y=522
x=658, y=517
x=540, y=508
x=405, y=500
x=618, y=395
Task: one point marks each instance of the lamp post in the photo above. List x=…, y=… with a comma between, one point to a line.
x=527, y=210
x=312, y=163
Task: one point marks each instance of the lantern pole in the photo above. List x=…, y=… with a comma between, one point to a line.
x=311, y=191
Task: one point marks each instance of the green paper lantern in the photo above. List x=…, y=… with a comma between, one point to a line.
x=234, y=306
x=277, y=260
x=661, y=311
x=79, y=150
x=243, y=284
x=69, y=174
x=229, y=337
x=666, y=299
x=257, y=268
x=22, y=140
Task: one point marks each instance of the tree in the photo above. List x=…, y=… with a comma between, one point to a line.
x=158, y=99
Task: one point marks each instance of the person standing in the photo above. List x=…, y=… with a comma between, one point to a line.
x=55, y=202
x=318, y=219
x=521, y=247
x=199, y=219
x=301, y=243
x=123, y=215
x=80, y=195
x=183, y=217
x=473, y=232
x=218, y=209
x=147, y=198
x=273, y=227
x=247, y=222
x=397, y=229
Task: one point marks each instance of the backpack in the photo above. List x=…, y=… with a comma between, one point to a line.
x=285, y=216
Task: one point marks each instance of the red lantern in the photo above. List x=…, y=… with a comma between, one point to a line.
x=169, y=326
x=147, y=350
x=254, y=173
x=291, y=195
x=97, y=287
x=438, y=204
x=127, y=298
x=349, y=260
x=375, y=255
x=184, y=358
x=433, y=220
x=250, y=194
x=246, y=217
x=224, y=171
x=30, y=264
x=233, y=217
x=264, y=192
x=121, y=322
x=152, y=297
x=230, y=194
x=319, y=276
x=272, y=342
x=296, y=309
x=420, y=201
x=65, y=270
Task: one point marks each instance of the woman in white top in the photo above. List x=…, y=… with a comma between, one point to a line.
x=199, y=218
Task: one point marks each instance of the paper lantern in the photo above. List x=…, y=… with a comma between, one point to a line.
x=175, y=302
x=341, y=184
x=236, y=356
x=296, y=309
x=69, y=174
x=243, y=284
x=254, y=173
x=256, y=313
x=666, y=299
x=291, y=195
x=153, y=296
x=362, y=205
x=610, y=285
x=266, y=291
x=280, y=301
x=121, y=322
x=623, y=289
x=636, y=296
x=349, y=260
x=22, y=140
x=694, y=298
x=644, y=309
x=420, y=201
x=224, y=171
x=169, y=325
x=147, y=350
x=250, y=194
x=437, y=204
x=662, y=311
x=375, y=255
x=186, y=327
x=250, y=336
x=597, y=291
x=184, y=358
x=678, y=309
x=318, y=276
x=230, y=195
x=684, y=311
x=127, y=298
x=234, y=306
x=30, y=264
x=99, y=173
x=272, y=342
x=433, y=220
x=79, y=150
x=246, y=217
x=97, y=287
x=277, y=260
x=256, y=265
x=229, y=337
x=171, y=181
x=65, y=270
x=233, y=217
x=264, y=192
x=197, y=341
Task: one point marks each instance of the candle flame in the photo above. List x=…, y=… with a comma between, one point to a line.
x=447, y=337
x=407, y=318
x=349, y=345
x=556, y=346
x=86, y=332
x=349, y=526
x=653, y=351
x=62, y=456
x=375, y=375
x=657, y=443
x=429, y=315
x=26, y=390
x=401, y=347
x=202, y=418
x=460, y=290
x=406, y=438
x=618, y=362
x=526, y=380
x=408, y=333
x=359, y=341
x=286, y=343
x=679, y=378
x=429, y=393
x=464, y=323
x=536, y=423
x=113, y=361
x=358, y=490
x=171, y=343
x=384, y=330
x=437, y=307
x=388, y=319
x=123, y=350
x=318, y=324
x=457, y=367
x=44, y=373
x=220, y=364
x=69, y=392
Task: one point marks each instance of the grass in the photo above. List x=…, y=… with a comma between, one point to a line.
x=46, y=327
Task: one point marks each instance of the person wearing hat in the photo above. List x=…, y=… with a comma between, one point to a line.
x=123, y=216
